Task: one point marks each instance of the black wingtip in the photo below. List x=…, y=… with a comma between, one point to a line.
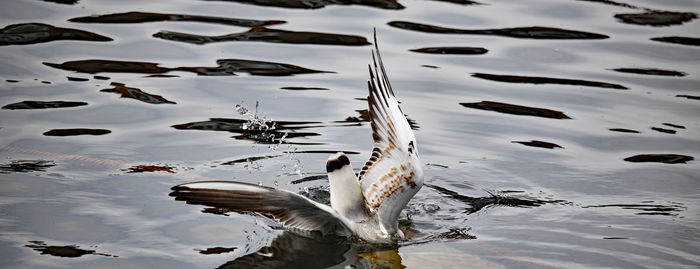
x=337, y=162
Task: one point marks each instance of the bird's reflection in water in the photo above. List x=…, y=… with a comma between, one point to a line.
x=291, y=250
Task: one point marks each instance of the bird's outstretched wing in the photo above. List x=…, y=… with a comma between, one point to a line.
x=292, y=210
x=393, y=173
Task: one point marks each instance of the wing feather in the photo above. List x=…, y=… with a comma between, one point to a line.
x=291, y=209
x=393, y=173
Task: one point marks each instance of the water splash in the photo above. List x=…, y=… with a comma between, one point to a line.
x=255, y=121
x=264, y=127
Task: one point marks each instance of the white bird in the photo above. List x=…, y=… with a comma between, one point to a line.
x=367, y=207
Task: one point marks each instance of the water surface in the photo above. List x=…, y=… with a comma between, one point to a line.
x=555, y=134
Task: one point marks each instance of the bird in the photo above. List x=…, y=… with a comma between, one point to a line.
x=365, y=206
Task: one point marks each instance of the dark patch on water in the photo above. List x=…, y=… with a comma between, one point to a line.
x=110, y=66
x=45, y=82
x=149, y=168
x=437, y=165
x=663, y=130
x=547, y=80
x=534, y=32
x=69, y=251
x=227, y=67
x=272, y=133
x=612, y=3
x=43, y=104
x=659, y=158
x=304, y=88
x=250, y=159
x=517, y=109
x=682, y=40
x=623, y=130
x=674, y=125
x=647, y=208
x=64, y=2
x=167, y=76
x=461, y=2
x=538, y=144
x=216, y=250
x=314, y=4
x=11, y=81
x=657, y=18
x=693, y=97
x=430, y=66
x=135, y=93
x=101, y=77
x=478, y=203
x=25, y=166
x=32, y=33
x=652, y=71
x=140, y=17
x=452, y=50
x=255, y=68
x=310, y=178
x=615, y=237
x=76, y=79
x=76, y=131
x=264, y=34
x=322, y=152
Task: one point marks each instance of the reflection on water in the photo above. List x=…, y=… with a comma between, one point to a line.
x=695, y=97
x=647, y=208
x=264, y=34
x=652, y=71
x=149, y=168
x=517, y=109
x=65, y=2
x=290, y=250
x=138, y=17
x=138, y=94
x=535, y=32
x=663, y=130
x=452, y=50
x=216, y=250
x=76, y=131
x=657, y=18
x=70, y=251
x=43, y=104
x=610, y=2
x=227, y=67
x=660, y=158
x=538, y=144
x=313, y=4
x=681, y=40
x=623, y=130
x=24, y=166
x=32, y=33
x=547, y=80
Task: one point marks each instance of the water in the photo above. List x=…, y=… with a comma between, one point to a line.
x=510, y=182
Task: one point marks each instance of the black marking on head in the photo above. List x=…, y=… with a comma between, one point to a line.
x=337, y=163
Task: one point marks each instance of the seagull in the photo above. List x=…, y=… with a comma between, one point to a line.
x=365, y=206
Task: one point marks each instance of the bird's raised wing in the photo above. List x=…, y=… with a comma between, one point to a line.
x=393, y=173
x=292, y=210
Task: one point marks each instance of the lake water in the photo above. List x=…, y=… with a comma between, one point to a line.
x=555, y=134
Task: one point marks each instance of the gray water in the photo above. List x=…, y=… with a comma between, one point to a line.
x=613, y=183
